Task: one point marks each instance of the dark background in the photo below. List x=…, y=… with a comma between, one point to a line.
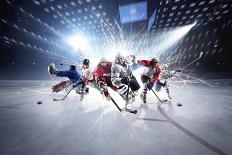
x=28, y=44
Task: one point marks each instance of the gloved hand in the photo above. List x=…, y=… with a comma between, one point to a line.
x=165, y=84
x=139, y=62
x=160, y=83
x=125, y=80
x=133, y=58
x=178, y=71
x=100, y=78
x=74, y=85
x=149, y=85
x=100, y=84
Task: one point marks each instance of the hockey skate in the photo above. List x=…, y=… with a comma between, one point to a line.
x=82, y=94
x=107, y=96
x=167, y=91
x=131, y=97
x=143, y=97
x=126, y=109
x=52, y=69
x=104, y=92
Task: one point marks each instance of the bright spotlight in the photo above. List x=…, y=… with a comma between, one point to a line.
x=78, y=42
x=173, y=37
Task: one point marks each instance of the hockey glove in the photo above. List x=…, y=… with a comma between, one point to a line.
x=160, y=83
x=125, y=80
x=100, y=84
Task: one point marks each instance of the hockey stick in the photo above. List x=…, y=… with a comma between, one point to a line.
x=158, y=97
x=55, y=99
x=128, y=110
x=115, y=104
x=127, y=97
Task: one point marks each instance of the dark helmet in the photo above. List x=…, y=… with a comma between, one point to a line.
x=72, y=67
x=155, y=60
x=85, y=62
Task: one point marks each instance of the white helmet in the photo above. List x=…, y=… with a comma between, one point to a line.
x=103, y=59
x=119, y=59
x=164, y=67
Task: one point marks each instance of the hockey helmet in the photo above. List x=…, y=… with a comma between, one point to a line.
x=72, y=67
x=164, y=67
x=103, y=59
x=85, y=63
x=119, y=59
x=155, y=60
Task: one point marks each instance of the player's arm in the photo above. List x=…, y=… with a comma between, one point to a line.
x=156, y=75
x=63, y=73
x=145, y=63
x=115, y=73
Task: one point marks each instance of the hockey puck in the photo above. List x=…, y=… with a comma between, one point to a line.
x=61, y=63
x=179, y=104
x=39, y=102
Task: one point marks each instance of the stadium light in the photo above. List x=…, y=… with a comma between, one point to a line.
x=78, y=42
x=173, y=37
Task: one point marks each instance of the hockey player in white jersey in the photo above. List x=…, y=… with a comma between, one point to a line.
x=86, y=76
x=122, y=78
x=162, y=81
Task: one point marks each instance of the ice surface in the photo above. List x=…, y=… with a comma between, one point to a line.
x=95, y=126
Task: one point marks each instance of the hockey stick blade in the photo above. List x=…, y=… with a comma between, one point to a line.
x=158, y=97
x=115, y=104
x=56, y=99
x=164, y=101
x=64, y=96
x=126, y=110
x=132, y=111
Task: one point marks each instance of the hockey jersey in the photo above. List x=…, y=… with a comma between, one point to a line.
x=152, y=72
x=101, y=71
x=87, y=75
x=117, y=73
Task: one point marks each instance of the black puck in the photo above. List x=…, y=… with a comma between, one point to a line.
x=179, y=104
x=39, y=102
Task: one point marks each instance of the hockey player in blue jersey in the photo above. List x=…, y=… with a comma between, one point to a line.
x=75, y=78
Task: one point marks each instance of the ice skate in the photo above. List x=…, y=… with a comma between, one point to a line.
x=52, y=69
x=143, y=97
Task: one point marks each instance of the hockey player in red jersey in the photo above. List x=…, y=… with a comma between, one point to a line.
x=150, y=76
x=102, y=76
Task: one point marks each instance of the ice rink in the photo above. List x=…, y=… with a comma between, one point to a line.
x=201, y=126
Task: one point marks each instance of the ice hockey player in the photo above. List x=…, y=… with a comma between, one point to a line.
x=150, y=76
x=162, y=81
x=75, y=78
x=86, y=75
x=102, y=76
x=123, y=79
